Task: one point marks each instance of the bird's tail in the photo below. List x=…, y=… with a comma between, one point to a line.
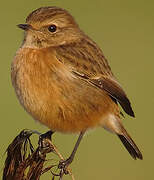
x=113, y=124
x=130, y=144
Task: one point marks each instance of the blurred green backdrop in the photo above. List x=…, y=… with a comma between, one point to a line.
x=125, y=32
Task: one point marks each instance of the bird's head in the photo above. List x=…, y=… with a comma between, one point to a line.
x=50, y=26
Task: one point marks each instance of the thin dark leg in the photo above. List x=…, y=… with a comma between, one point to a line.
x=64, y=164
x=76, y=147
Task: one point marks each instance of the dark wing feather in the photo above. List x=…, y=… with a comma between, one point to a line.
x=115, y=91
x=85, y=59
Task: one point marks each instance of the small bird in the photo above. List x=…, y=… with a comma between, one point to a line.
x=63, y=80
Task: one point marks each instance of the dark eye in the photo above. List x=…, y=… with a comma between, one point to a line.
x=52, y=28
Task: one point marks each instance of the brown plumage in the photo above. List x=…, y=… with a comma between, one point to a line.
x=63, y=80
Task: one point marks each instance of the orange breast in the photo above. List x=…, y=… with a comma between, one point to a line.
x=54, y=96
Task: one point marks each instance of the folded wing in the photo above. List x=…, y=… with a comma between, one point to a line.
x=85, y=59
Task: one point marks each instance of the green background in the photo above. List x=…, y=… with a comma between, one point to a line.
x=125, y=32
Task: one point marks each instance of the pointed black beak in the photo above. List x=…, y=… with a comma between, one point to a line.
x=24, y=26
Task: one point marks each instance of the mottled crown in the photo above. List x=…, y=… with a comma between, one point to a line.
x=44, y=13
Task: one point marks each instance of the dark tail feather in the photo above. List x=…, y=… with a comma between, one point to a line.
x=130, y=145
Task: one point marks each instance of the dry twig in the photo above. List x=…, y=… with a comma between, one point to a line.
x=23, y=162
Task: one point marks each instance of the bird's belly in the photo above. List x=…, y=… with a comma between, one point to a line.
x=69, y=107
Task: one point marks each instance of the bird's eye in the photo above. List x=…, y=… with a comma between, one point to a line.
x=52, y=28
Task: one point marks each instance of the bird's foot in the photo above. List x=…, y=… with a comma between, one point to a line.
x=45, y=144
x=63, y=165
x=46, y=135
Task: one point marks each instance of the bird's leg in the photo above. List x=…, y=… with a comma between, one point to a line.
x=63, y=164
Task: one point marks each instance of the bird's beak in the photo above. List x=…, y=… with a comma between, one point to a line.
x=24, y=26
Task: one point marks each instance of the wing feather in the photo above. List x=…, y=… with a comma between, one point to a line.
x=115, y=91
